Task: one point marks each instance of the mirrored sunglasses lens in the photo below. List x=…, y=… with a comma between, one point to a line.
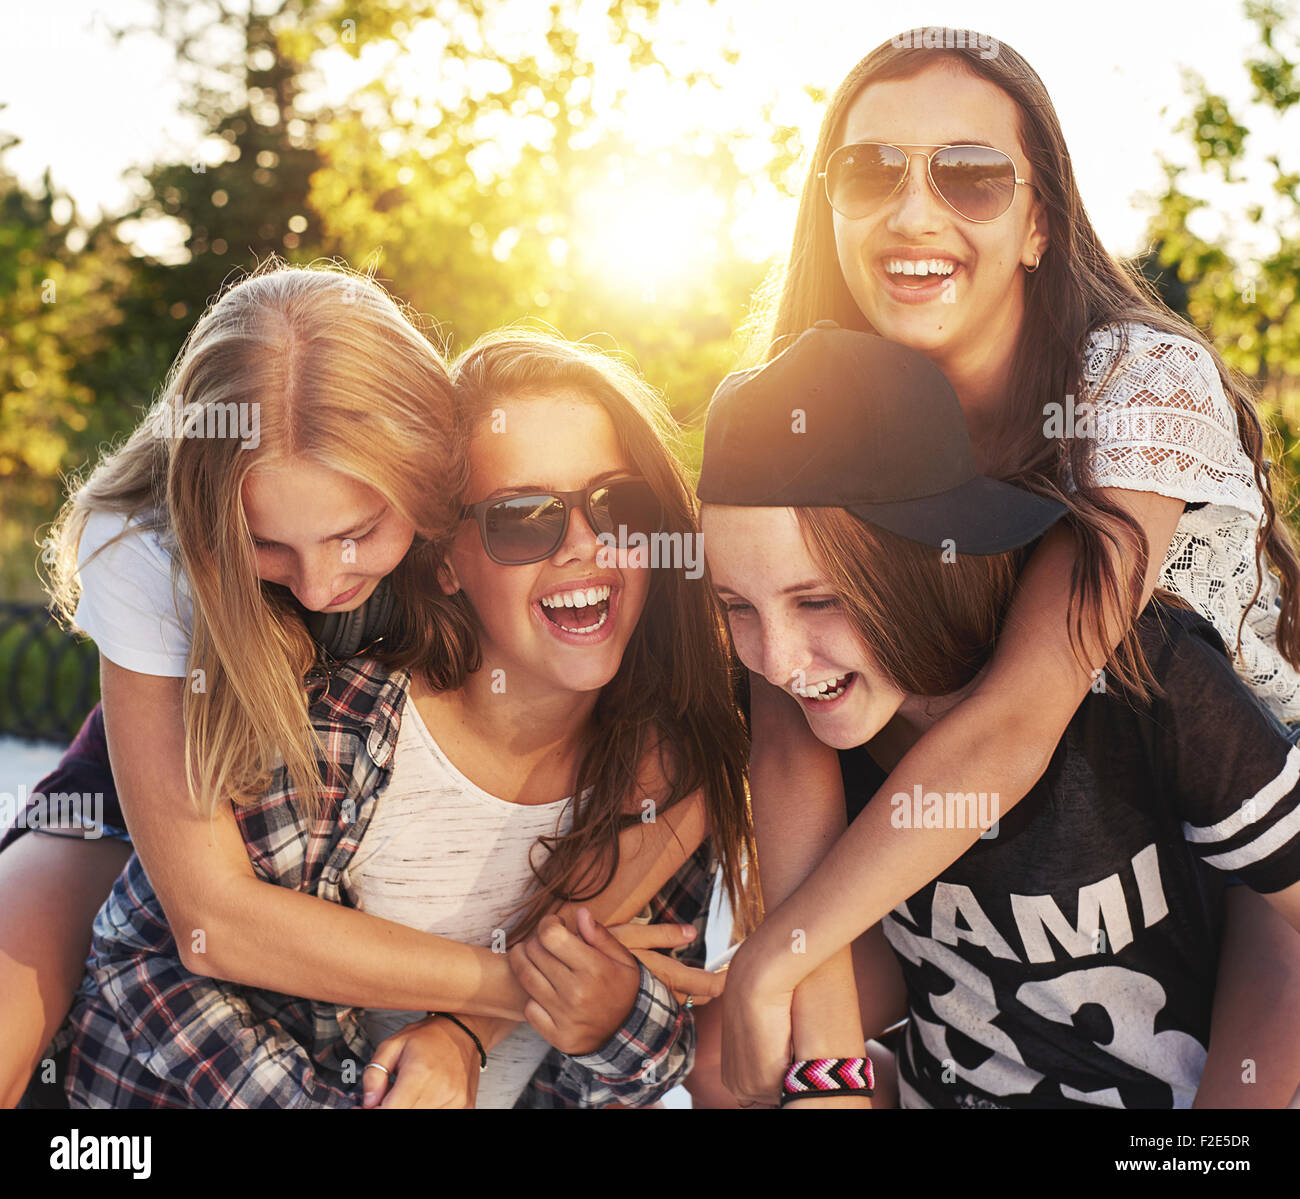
x=524, y=527
x=978, y=181
x=861, y=177
x=633, y=506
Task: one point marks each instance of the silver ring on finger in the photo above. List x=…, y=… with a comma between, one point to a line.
x=377, y=1066
x=690, y=1002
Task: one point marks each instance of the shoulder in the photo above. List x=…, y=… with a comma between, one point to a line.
x=355, y=712
x=140, y=536
x=1161, y=420
x=134, y=601
x=1170, y=633
x=1138, y=363
x=1201, y=692
x=359, y=703
x=653, y=772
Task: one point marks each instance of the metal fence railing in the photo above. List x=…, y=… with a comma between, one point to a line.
x=49, y=680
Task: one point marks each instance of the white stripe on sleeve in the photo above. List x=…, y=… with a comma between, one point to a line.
x=1255, y=808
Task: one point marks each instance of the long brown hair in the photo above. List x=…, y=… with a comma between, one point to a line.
x=1077, y=289
x=340, y=375
x=929, y=622
x=673, y=694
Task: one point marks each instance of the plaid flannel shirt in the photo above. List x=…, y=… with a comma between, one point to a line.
x=146, y=1032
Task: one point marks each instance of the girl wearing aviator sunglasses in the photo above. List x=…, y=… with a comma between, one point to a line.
x=941, y=212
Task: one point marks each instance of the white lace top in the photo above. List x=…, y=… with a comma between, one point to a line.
x=1164, y=424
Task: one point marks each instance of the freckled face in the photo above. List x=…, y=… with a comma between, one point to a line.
x=331, y=550
x=562, y=623
x=787, y=623
x=981, y=298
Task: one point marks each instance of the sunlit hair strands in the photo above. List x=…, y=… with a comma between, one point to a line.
x=343, y=379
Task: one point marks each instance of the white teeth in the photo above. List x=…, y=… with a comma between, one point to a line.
x=576, y=599
x=827, y=689
x=923, y=267
x=591, y=628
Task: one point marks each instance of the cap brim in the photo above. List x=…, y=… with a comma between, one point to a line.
x=982, y=516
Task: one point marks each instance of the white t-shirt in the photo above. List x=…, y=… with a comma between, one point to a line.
x=128, y=606
x=442, y=855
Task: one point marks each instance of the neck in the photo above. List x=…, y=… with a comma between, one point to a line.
x=524, y=723
x=981, y=376
x=915, y=715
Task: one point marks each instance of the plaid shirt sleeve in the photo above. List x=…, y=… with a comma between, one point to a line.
x=147, y=1032
x=655, y=1048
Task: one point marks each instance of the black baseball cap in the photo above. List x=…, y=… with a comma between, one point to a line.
x=843, y=419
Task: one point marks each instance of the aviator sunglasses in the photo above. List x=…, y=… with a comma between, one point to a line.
x=520, y=529
x=976, y=182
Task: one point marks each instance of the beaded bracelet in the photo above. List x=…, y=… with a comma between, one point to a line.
x=820, y=1076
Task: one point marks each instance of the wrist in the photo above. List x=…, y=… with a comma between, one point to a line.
x=846, y=1100
x=466, y=1037
x=827, y=1079
x=760, y=970
x=641, y=1036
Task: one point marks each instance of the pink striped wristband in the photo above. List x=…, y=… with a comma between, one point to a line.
x=827, y=1076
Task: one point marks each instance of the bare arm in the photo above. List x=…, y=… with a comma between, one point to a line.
x=262, y=935
x=794, y=830
x=50, y=889
x=1254, y=1058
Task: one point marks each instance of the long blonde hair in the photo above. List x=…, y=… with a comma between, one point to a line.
x=339, y=376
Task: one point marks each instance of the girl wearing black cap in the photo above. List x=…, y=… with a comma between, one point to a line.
x=1070, y=957
x=941, y=211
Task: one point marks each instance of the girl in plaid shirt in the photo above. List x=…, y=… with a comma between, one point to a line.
x=650, y=712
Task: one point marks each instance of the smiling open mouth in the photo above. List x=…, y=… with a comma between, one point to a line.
x=919, y=274
x=826, y=690
x=581, y=611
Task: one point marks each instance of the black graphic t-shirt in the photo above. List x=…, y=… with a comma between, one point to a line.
x=1070, y=959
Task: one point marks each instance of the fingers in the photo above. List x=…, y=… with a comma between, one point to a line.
x=540, y=1020
x=531, y=977
x=682, y=979
x=412, y=1088
x=567, y=948
x=405, y=1091
x=376, y=1082
x=600, y=938
x=653, y=936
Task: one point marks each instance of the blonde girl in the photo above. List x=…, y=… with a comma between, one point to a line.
x=569, y=697
x=196, y=561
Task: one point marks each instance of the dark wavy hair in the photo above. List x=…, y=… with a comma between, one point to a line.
x=673, y=695
x=1077, y=289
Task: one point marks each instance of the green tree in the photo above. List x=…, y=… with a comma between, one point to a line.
x=478, y=227
x=243, y=196
x=60, y=307
x=1247, y=305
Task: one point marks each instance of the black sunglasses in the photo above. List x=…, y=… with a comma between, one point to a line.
x=976, y=182
x=519, y=529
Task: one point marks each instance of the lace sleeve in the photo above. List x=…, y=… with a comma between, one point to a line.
x=1162, y=421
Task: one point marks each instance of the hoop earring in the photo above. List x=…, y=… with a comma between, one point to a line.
x=1029, y=270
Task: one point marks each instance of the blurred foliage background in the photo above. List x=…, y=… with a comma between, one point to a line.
x=489, y=173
